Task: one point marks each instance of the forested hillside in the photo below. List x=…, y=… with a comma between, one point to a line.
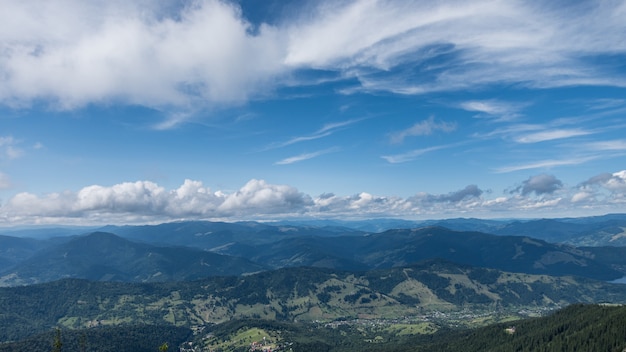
x=578, y=327
x=128, y=338
x=290, y=294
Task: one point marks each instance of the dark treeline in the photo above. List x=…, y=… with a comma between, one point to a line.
x=135, y=338
x=575, y=328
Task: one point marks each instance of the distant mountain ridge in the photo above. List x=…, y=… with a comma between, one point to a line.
x=605, y=230
x=102, y=256
x=403, y=247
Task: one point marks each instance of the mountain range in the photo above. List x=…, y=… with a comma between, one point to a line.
x=605, y=230
x=103, y=256
x=193, y=274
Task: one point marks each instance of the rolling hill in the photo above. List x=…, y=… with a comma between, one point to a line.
x=402, y=247
x=102, y=256
x=302, y=294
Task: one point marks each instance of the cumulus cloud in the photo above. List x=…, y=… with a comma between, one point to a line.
x=615, y=182
x=147, y=202
x=471, y=191
x=75, y=53
x=540, y=185
x=137, y=197
x=259, y=197
x=360, y=205
x=606, y=188
x=422, y=128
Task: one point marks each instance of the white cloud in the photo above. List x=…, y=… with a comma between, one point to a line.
x=410, y=155
x=540, y=184
x=140, y=196
x=9, y=149
x=471, y=191
x=305, y=156
x=72, y=53
x=76, y=53
x=607, y=190
x=259, y=197
x=616, y=145
x=325, y=131
x=502, y=111
x=360, y=205
x=542, y=203
x=551, y=135
x=545, y=164
x=474, y=43
x=423, y=128
x=147, y=202
x=414, y=154
x=615, y=182
x=581, y=197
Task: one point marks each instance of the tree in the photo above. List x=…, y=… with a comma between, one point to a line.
x=57, y=344
x=164, y=347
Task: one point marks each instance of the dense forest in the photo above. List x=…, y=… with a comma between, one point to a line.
x=132, y=338
x=575, y=328
x=578, y=327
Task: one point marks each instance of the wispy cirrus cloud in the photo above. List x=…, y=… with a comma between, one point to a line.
x=605, y=104
x=422, y=128
x=549, y=135
x=497, y=109
x=456, y=45
x=612, y=145
x=414, y=154
x=546, y=164
x=180, y=58
x=305, y=156
x=325, y=131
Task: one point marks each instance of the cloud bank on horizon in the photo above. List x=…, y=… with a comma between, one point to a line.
x=451, y=108
x=147, y=202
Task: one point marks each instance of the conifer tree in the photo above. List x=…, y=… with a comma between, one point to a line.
x=57, y=344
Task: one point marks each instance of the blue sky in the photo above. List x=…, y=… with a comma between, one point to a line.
x=154, y=111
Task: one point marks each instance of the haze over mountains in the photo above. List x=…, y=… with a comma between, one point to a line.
x=191, y=250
